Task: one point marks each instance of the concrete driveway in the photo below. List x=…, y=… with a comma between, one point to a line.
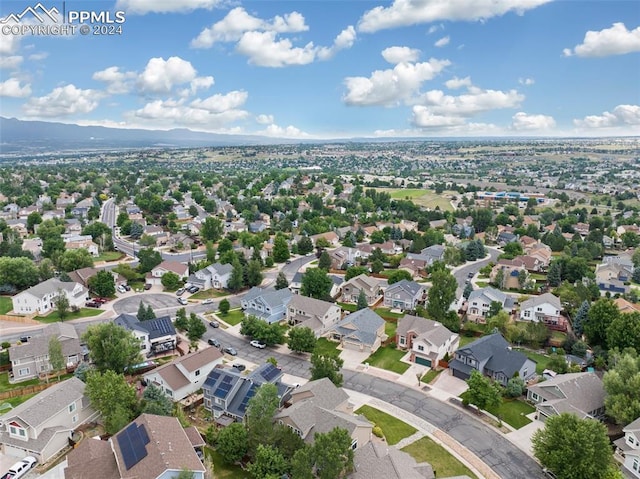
x=522, y=437
x=446, y=386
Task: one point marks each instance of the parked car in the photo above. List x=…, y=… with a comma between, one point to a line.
x=214, y=342
x=470, y=275
x=180, y=292
x=147, y=286
x=25, y=339
x=183, y=301
x=214, y=324
x=258, y=344
x=208, y=301
x=193, y=289
x=101, y=300
x=122, y=289
x=92, y=304
x=230, y=350
x=19, y=469
x=127, y=287
x=239, y=367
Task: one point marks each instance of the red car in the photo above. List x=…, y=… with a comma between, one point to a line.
x=101, y=300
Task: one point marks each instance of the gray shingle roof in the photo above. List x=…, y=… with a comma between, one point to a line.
x=542, y=299
x=360, y=326
x=573, y=392
x=311, y=306
x=38, y=346
x=410, y=287
x=377, y=459
x=49, y=286
x=426, y=329
x=98, y=454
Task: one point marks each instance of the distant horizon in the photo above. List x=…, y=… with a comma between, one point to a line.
x=308, y=70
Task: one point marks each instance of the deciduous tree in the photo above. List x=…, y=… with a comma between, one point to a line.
x=624, y=332
x=171, y=281
x=103, y=284
x=441, y=294
x=483, y=392
x=332, y=453
x=254, y=273
x=113, y=397
x=195, y=329
x=61, y=301
x=398, y=275
x=155, y=401
x=56, y=358
x=259, y=417
x=224, y=306
x=326, y=367
x=301, y=339
x=362, y=300
x=149, y=259
x=232, y=443
x=280, y=249
x=622, y=385
x=281, y=281
x=324, y=262
x=111, y=347
x=316, y=284
x=601, y=314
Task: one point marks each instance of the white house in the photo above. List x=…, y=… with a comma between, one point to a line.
x=628, y=447
x=213, y=276
x=40, y=299
x=182, y=270
x=185, y=375
x=545, y=309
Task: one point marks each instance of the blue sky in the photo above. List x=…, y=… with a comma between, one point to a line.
x=333, y=69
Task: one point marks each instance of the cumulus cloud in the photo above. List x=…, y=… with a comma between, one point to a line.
x=475, y=101
x=117, y=82
x=343, y=41
x=435, y=28
x=522, y=121
x=526, y=81
x=142, y=7
x=264, y=49
x=62, y=101
x=276, y=131
x=10, y=62
x=621, y=116
x=237, y=22
x=413, y=12
x=36, y=57
x=219, y=103
x=161, y=75
x=393, y=86
x=264, y=119
x=444, y=41
x=395, y=55
x=175, y=112
x=13, y=88
x=456, y=83
x=616, y=40
x=9, y=44
x=424, y=118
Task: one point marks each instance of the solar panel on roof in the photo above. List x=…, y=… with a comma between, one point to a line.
x=245, y=401
x=143, y=434
x=270, y=372
x=132, y=442
x=215, y=375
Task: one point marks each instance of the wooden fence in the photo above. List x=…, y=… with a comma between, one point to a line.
x=25, y=390
x=18, y=319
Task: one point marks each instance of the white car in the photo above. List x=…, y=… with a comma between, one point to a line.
x=122, y=289
x=258, y=344
x=208, y=301
x=19, y=469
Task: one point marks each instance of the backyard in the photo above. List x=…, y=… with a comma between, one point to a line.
x=541, y=360
x=393, y=429
x=6, y=304
x=427, y=450
x=388, y=358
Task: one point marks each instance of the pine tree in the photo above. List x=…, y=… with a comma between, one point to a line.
x=236, y=280
x=581, y=316
x=554, y=276
x=150, y=313
x=142, y=312
x=362, y=300
x=281, y=281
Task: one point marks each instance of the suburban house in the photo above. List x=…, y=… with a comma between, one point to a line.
x=43, y=425
x=185, y=375
x=83, y=275
x=151, y=447
x=227, y=391
x=545, y=309
x=215, y=276
x=343, y=257
x=430, y=254
x=577, y=393
x=404, y=295
x=351, y=289
x=331, y=237
x=75, y=241
x=312, y=313
x=30, y=359
x=377, y=459
x=511, y=271
x=156, y=274
x=268, y=305
x=417, y=267
x=429, y=341
x=542, y=253
x=628, y=448
x=40, y=299
x=360, y=331
x=493, y=357
x=625, y=306
x=480, y=300
x=155, y=335
x=611, y=278
x=318, y=407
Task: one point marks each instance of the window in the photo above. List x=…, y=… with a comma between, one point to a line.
x=525, y=373
x=74, y=419
x=23, y=372
x=630, y=439
x=197, y=372
x=354, y=444
x=402, y=341
x=636, y=465
x=420, y=347
x=17, y=431
x=72, y=407
x=527, y=314
x=534, y=396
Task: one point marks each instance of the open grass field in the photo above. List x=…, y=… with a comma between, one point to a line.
x=427, y=450
x=390, y=329
x=426, y=198
x=394, y=429
x=110, y=256
x=388, y=358
x=430, y=375
x=210, y=293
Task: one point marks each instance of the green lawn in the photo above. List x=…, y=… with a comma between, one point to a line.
x=511, y=411
x=387, y=314
x=222, y=469
x=5, y=386
x=6, y=304
x=426, y=198
x=16, y=401
x=54, y=317
x=464, y=340
x=394, y=429
x=430, y=375
x=109, y=256
x=426, y=450
x=233, y=317
x=482, y=284
x=390, y=329
x=210, y=293
x=388, y=358
x=324, y=347
x=541, y=360
x=348, y=307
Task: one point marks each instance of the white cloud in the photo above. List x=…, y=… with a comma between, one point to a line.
x=424, y=118
x=444, y=41
x=391, y=87
x=345, y=40
x=435, y=28
x=523, y=121
x=283, y=132
x=616, y=40
x=13, y=88
x=264, y=119
x=622, y=116
x=395, y=55
x=412, y=12
x=456, y=83
x=62, y=101
x=237, y=22
x=526, y=81
x=201, y=83
x=117, y=82
x=9, y=44
x=36, y=57
x=176, y=113
x=474, y=102
x=163, y=6
x=10, y=62
x=263, y=49
x=220, y=103
x=160, y=75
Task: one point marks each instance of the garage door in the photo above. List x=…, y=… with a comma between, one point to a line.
x=459, y=374
x=423, y=361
